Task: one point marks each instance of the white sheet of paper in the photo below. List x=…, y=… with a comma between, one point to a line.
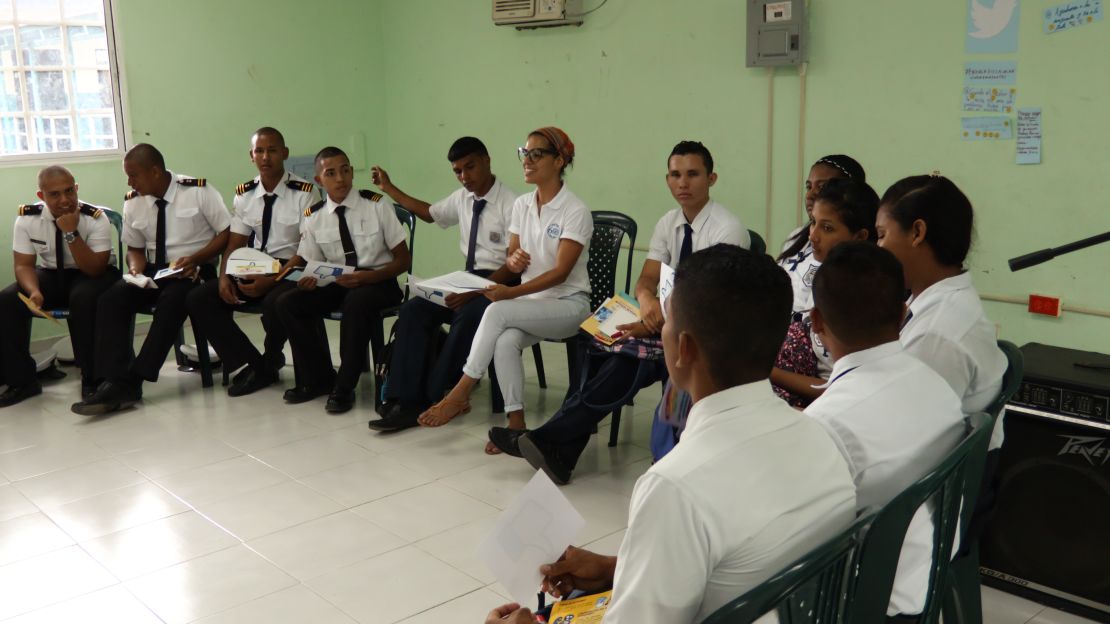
x=139, y=281
x=619, y=316
x=666, y=285
x=245, y=262
x=535, y=529
x=436, y=289
x=326, y=272
x=166, y=272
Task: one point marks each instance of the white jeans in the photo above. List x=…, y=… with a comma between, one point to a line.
x=509, y=327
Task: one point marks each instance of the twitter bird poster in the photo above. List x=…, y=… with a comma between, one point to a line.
x=992, y=26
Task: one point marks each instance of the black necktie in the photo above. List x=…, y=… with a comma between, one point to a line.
x=687, y=243
x=160, y=235
x=267, y=217
x=472, y=246
x=906, y=321
x=350, y=256
x=59, y=248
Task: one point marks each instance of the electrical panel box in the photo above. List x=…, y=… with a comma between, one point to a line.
x=776, y=32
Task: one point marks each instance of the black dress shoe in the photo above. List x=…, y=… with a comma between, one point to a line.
x=111, y=396
x=303, y=394
x=253, y=381
x=238, y=378
x=388, y=408
x=399, y=420
x=507, y=439
x=15, y=394
x=544, y=457
x=340, y=401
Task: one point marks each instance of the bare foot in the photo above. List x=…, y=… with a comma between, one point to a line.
x=441, y=413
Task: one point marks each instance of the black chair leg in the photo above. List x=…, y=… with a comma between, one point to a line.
x=178, y=354
x=496, y=399
x=537, y=355
x=572, y=360
x=614, y=427
x=202, y=358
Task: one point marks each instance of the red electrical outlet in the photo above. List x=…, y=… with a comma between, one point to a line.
x=1049, y=306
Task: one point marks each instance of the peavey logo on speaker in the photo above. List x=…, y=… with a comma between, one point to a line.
x=1090, y=448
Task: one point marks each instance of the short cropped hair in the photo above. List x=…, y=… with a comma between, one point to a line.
x=146, y=155
x=274, y=132
x=737, y=305
x=943, y=207
x=683, y=148
x=466, y=146
x=855, y=202
x=51, y=171
x=860, y=291
x=328, y=152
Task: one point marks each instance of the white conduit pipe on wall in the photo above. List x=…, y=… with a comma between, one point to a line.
x=802, y=173
x=769, y=186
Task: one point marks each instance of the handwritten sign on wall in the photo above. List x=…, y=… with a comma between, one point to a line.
x=990, y=73
x=1072, y=15
x=986, y=128
x=989, y=99
x=1029, y=136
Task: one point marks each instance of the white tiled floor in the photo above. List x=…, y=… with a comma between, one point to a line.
x=196, y=507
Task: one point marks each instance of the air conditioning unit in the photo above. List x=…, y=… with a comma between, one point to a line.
x=537, y=13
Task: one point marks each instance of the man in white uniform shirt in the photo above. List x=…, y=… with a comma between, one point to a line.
x=268, y=214
x=482, y=209
x=72, y=242
x=752, y=486
x=697, y=223
x=891, y=415
x=168, y=221
x=358, y=229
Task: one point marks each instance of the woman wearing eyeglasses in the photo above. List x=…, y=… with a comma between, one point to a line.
x=549, y=232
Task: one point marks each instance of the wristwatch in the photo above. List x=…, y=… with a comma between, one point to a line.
x=69, y=237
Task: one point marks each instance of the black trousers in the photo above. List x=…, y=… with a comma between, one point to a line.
x=299, y=312
x=60, y=289
x=409, y=381
x=609, y=379
x=216, y=320
x=115, y=357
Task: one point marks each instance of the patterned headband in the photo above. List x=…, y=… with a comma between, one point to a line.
x=834, y=165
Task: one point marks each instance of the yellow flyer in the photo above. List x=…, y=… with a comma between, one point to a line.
x=584, y=610
x=602, y=324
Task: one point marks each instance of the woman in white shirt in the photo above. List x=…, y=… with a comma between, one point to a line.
x=926, y=221
x=549, y=232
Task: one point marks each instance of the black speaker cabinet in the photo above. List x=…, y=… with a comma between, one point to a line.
x=1049, y=538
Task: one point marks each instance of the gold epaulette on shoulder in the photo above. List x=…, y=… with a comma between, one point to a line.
x=131, y=195
x=91, y=210
x=244, y=187
x=371, y=195
x=28, y=210
x=300, y=186
x=313, y=208
x=192, y=182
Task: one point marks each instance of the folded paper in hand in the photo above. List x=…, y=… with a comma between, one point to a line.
x=139, y=281
x=166, y=272
x=436, y=289
x=248, y=262
x=603, y=323
x=326, y=272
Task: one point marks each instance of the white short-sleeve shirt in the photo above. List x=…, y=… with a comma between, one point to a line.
x=371, y=220
x=294, y=196
x=493, y=224
x=689, y=549
x=801, y=267
x=540, y=231
x=894, y=419
x=194, y=216
x=948, y=330
x=713, y=225
x=34, y=233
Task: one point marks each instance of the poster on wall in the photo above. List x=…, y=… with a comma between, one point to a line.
x=986, y=73
x=1029, y=136
x=992, y=26
x=989, y=99
x=1071, y=15
x=986, y=128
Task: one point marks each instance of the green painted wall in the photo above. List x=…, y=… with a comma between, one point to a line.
x=409, y=76
x=884, y=84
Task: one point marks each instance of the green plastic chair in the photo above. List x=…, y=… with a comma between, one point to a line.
x=812, y=590
x=962, y=599
x=944, y=488
x=758, y=245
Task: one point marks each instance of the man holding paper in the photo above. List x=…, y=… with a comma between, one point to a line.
x=268, y=214
x=697, y=223
x=72, y=242
x=174, y=227
x=753, y=485
x=482, y=209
